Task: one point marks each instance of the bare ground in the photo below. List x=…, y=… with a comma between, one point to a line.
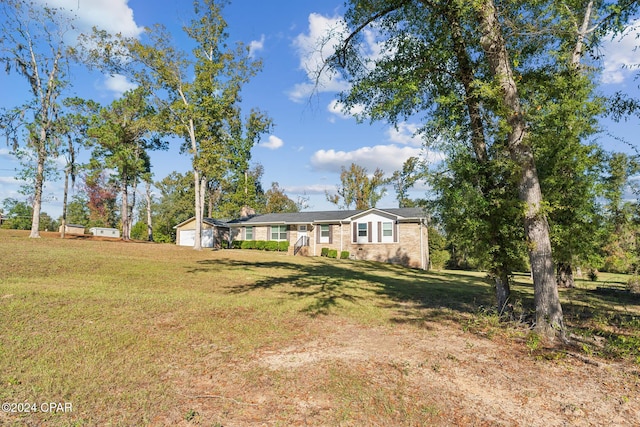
x=437, y=374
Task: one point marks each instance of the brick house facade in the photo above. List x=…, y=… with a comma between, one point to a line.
x=397, y=236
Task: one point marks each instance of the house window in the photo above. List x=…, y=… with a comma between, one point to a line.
x=248, y=233
x=387, y=232
x=278, y=232
x=324, y=234
x=362, y=229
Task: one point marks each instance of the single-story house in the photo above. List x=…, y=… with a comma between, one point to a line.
x=397, y=236
x=73, y=229
x=214, y=232
x=105, y=232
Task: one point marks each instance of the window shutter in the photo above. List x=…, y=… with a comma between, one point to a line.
x=330, y=234
x=369, y=232
x=379, y=232
x=395, y=232
x=355, y=232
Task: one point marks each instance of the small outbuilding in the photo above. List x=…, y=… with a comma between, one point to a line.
x=213, y=233
x=105, y=232
x=72, y=229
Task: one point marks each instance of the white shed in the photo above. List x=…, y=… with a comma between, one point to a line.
x=105, y=232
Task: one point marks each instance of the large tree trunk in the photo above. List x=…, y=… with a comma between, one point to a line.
x=63, y=224
x=39, y=183
x=148, y=200
x=126, y=233
x=549, y=318
x=197, y=244
x=132, y=205
x=478, y=141
x=503, y=290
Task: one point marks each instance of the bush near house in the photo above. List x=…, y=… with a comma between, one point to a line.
x=283, y=246
x=263, y=245
x=333, y=253
x=344, y=255
x=324, y=252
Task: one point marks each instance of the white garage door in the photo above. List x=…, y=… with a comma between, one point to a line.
x=188, y=238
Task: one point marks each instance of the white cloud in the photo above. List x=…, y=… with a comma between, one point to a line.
x=405, y=133
x=7, y=154
x=317, y=45
x=114, y=16
x=337, y=108
x=313, y=49
x=309, y=189
x=9, y=180
x=118, y=84
x=389, y=158
x=273, y=143
x=256, y=46
x=621, y=58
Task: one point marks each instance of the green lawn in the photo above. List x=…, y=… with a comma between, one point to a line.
x=112, y=327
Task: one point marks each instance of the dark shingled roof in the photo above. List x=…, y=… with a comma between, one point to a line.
x=322, y=216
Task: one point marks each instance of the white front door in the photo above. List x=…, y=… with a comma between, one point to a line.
x=303, y=240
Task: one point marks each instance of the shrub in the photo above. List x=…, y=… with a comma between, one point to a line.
x=283, y=246
x=593, y=274
x=344, y=255
x=237, y=244
x=261, y=244
x=271, y=245
x=139, y=231
x=248, y=244
x=324, y=252
x=439, y=259
x=332, y=253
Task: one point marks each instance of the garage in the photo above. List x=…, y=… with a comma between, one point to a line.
x=215, y=233
x=188, y=237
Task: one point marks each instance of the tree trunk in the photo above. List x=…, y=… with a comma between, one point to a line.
x=565, y=275
x=478, y=141
x=39, y=178
x=503, y=290
x=197, y=244
x=126, y=234
x=148, y=200
x=63, y=225
x=132, y=205
x=549, y=318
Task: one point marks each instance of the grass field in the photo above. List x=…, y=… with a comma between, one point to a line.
x=97, y=332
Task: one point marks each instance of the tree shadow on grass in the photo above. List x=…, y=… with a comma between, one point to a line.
x=413, y=295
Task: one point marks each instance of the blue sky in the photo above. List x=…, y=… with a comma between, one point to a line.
x=312, y=139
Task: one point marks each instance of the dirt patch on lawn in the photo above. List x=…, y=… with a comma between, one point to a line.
x=339, y=373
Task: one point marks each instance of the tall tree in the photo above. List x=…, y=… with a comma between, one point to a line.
x=32, y=44
x=173, y=206
x=73, y=125
x=101, y=196
x=124, y=135
x=404, y=179
x=465, y=63
x=358, y=188
x=278, y=201
x=620, y=248
x=198, y=92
